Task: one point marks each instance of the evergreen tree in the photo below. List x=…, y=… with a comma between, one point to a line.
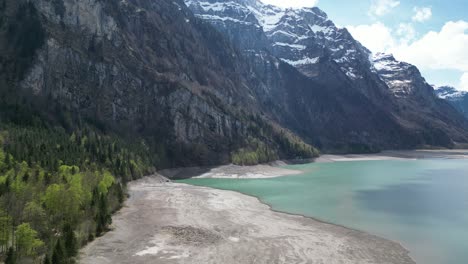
x=59, y=257
x=11, y=256
x=71, y=245
x=43, y=196
x=103, y=215
x=26, y=177
x=7, y=161
x=46, y=259
x=120, y=193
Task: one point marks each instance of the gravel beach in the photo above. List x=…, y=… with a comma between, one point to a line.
x=165, y=222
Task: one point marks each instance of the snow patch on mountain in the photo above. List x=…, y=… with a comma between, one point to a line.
x=317, y=28
x=402, y=78
x=296, y=36
x=292, y=46
x=214, y=17
x=303, y=61
x=450, y=93
x=268, y=17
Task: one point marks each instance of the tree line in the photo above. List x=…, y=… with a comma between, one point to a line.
x=58, y=189
x=267, y=143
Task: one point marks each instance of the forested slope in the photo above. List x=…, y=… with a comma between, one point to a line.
x=87, y=107
x=58, y=187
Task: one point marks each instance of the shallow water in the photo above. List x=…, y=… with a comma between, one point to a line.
x=421, y=203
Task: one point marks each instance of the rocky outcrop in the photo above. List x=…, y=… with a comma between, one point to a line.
x=120, y=62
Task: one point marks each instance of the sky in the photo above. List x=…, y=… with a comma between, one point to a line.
x=431, y=34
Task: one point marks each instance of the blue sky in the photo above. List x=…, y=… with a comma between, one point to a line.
x=432, y=34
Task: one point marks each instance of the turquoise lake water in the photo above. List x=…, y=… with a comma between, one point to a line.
x=422, y=204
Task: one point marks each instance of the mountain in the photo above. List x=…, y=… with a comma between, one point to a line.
x=96, y=93
x=204, y=82
x=457, y=98
x=144, y=69
x=371, y=101
x=417, y=101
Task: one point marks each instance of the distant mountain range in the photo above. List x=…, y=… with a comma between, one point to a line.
x=202, y=82
x=348, y=96
x=458, y=99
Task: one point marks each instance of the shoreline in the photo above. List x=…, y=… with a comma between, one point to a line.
x=172, y=221
x=397, y=155
x=180, y=223
x=231, y=171
x=274, y=169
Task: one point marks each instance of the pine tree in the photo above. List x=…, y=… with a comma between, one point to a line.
x=46, y=259
x=26, y=177
x=103, y=218
x=70, y=240
x=47, y=178
x=11, y=256
x=120, y=193
x=59, y=257
x=7, y=161
x=36, y=175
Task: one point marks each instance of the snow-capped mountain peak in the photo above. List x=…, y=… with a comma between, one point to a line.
x=307, y=39
x=296, y=36
x=448, y=92
x=402, y=78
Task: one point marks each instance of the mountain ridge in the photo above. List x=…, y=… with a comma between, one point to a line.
x=120, y=64
x=459, y=99
x=217, y=87
x=96, y=93
x=307, y=40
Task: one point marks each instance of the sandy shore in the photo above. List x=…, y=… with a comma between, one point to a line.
x=398, y=155
x=176, y=223
x=165, y=222
x=273, y=169
x=231, y=171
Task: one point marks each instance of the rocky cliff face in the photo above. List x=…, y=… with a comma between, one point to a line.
x=205, y=81
x=417, y=102
x=148, y=68
x=333, y=61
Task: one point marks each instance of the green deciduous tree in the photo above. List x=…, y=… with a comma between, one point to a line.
x=60, y=188
x=27, y=242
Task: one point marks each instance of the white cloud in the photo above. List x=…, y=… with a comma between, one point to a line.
x=443, y=50
x=406, y=33
x=464, y=82
x=446, y=49
x=382, y=7
x=376, y=37
x=422, y=14
x=291, y=3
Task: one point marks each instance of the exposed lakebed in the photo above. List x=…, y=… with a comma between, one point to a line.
x=421, y=203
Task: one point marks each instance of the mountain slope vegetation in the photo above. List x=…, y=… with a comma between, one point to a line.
x=94, y=94
x=81, y=114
